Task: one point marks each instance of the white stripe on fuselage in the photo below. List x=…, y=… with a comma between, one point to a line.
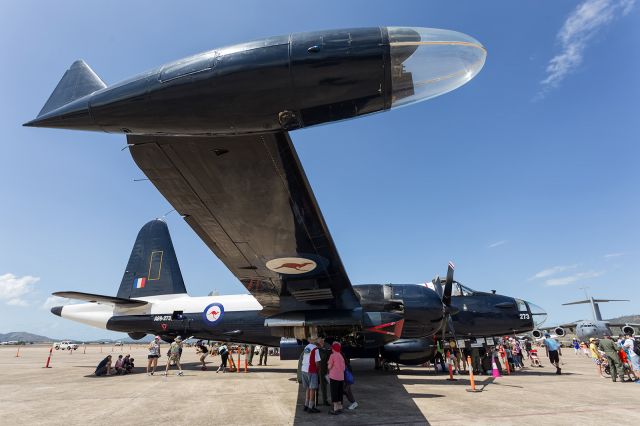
x=97, y=314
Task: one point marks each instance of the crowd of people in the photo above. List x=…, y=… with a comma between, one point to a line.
x=325, y=373
x=616, y=358
x=124, y=364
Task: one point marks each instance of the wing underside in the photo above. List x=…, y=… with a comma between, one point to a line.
x=248, y=199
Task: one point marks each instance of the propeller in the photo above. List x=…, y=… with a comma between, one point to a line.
x=445, y=296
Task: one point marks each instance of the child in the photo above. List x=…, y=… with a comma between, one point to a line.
x=533, y=355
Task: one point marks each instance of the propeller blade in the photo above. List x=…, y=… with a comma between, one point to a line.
x=448, y=285
x=438, y=286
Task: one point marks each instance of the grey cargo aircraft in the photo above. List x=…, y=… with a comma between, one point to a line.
x=211, y=132
x=585, y=329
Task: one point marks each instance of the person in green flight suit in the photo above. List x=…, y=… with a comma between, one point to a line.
x=610, y=348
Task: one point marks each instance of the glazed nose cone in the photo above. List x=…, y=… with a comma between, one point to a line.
x=428, y=62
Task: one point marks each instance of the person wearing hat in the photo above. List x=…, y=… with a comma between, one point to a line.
x=610, y=349
x=336, y=366
x=309, y=374
x=154, y=354
x=553, y=348
x=595, y=355
x=174, y=356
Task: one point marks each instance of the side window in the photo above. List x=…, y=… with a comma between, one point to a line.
x=456, y=290
x=522, y=307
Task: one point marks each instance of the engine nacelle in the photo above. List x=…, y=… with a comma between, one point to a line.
x=627, y=329
x=290, y=349
x=137, y=336
x=409, y=351
x=559, y=331
x=536, y=333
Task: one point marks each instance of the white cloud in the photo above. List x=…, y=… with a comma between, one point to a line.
x=12, y=288
x=497, y=243
x=573, y=278
x=612, y=255
x=552, y=271
x=581, y=26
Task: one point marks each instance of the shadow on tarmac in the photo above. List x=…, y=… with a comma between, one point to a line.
x=382, y=399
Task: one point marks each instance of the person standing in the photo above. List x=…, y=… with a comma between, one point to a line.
x=348, y=382
x=595, y=355
x=634, y=358
x=174, y=356
x=310, y=368
x=610, y=349
x=154, y=354
x=264, y=352
x=336, y=366
x=252, y=350
x=223, y=351
x=553, y=348
x=576, y=346
x=325, y=353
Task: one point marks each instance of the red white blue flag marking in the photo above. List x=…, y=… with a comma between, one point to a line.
x=140, y=282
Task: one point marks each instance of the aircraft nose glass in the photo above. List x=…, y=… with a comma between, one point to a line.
x=538, y=314
x=427, y=62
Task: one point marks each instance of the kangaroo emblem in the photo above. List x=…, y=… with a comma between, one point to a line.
x=296, y=266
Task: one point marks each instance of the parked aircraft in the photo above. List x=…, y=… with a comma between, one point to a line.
x=586, y=329
x=211, y=133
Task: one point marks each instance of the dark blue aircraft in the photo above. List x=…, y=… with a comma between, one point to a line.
x=211, y=132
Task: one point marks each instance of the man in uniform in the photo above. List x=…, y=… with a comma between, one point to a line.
x=610, y=349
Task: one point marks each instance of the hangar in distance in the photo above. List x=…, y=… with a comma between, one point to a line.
x=211, y=132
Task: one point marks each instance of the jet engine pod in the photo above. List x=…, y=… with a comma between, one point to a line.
x=537, y=334
x=559, y=331
x=627, y=329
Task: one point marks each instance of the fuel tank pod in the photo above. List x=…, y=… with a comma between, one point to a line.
x=277, y=83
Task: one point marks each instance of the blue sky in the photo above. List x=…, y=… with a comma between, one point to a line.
x=527, y=177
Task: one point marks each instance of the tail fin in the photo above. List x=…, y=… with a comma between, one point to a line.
x=78, y=81
x=153, y=267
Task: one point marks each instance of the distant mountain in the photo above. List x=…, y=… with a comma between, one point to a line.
x=23, y=336
x=632, y=319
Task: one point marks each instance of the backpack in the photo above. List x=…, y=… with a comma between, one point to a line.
x=636, y=347
x=223, y=350
x=174, y=349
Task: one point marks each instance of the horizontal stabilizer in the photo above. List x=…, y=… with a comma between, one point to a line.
x=595, y=300
x=577, y=303
x=78, y=81
x=97, y=298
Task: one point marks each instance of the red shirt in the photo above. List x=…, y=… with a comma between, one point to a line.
x=313, y=369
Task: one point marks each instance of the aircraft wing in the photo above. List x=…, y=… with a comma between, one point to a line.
x=248, y=199
x=97, y=298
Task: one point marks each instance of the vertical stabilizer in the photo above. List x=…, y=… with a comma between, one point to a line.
x=153, y=266
x=78, y=81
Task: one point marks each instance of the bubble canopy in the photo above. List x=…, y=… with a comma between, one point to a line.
x=428, y=62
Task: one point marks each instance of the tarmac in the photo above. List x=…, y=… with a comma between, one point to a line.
x=69, y=394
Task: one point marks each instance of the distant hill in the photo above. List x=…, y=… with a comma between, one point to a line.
x=633, y=319
x=23, y=336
